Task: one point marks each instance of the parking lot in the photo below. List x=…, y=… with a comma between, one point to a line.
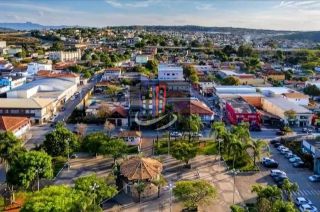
x=307, y=188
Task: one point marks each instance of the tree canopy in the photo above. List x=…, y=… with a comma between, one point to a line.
x=184, y=150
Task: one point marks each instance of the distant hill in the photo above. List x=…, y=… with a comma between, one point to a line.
x=27, y=26
x=312, y=36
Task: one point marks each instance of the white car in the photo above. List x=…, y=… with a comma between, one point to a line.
x=302, y=201
x=307, y=207
x=314, y=178
x=294, y=159
x=176, y=134
x=264, y=159
x=285, y=151
x=281, y=147
x=277, y=172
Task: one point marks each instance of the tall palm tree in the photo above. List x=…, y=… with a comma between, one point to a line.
x=236, y=149
x=160, y=181
x=257, y=147
x=242, y=132
x=140, y=186
x=289, y=187
x=219, y=129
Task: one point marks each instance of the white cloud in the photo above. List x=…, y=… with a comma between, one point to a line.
x=137, y=3
x=205, y=7
x=307, y=5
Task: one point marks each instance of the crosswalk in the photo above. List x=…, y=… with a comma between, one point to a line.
x=306, y=192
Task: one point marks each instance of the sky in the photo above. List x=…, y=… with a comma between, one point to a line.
x=268, y=14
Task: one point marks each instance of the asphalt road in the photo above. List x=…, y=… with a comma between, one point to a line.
x=307, y=189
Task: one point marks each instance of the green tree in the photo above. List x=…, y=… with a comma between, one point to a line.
x=230, y=80
x=312, y=90
x=140, y=186
x=245, y=51
x=271, y=193
x=193, y=193
x=159, y=182
x=220, y=55
x=283, y=206
x=112, y=90
x=60, y=141
x=10, y=146
x=242, y=132
x=57, y=46
x=228, y=50
x=102, y=189
x=257, y=147
x=57, y=198
x=152, y=65
x=290, y=114
x=93, y=142
x=28, y=167
x=114, y=147
x=184, y=151
x=289, y=187
x=237, y=208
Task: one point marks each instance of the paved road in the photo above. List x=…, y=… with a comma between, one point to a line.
x=38, y=132
x=299, y=175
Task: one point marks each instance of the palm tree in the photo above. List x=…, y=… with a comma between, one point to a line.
x=219, y=129
x=140, y=186
x=160, y=181
x=236, y=149
x=289, y=187
x=9, y=148
x=242, y=132
x=257, y=147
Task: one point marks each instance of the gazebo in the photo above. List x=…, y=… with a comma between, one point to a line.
x=140, y=170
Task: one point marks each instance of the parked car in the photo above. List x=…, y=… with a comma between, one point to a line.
x=306, y=130
x=307, y=207
x=265, y=159
x=199, y=135
x=299, y=164
x=294, y=159
x=314, y=178
x=289, y=155
x=276, y=145
x=302, y=201
x=73, y=156
x=279, y=132
x=280, y=178
x=279, y=148
x=276, y=172
x=285, y=151
x=176, y=134
x=270, y=163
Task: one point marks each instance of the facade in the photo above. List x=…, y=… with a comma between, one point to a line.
x=19, y=126
x=143, y=58
x=33, y=68
x=193, y=106
x=297, y=98
x=312, y=147
x=278, y=106
x=65, y=55
x=111, y=74
x=12, y=82
x=131, y=137
x=68, y=76
x=3, y=44
x=170, y=72
x=238, y=110
x=118, y=117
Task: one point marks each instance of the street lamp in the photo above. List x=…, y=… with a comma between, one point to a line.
x=170, y=189
x=94, y=187
x=234, y=172
x=38, y=170
x=219, y=140
x=68, y=163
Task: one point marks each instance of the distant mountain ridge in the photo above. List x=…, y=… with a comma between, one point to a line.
x=28, y=26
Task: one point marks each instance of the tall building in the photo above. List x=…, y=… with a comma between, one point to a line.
x=65, y=55
x=170, y=72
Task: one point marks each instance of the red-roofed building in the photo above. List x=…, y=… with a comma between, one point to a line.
x=17, y=125
x=192, y=106
x=119, y=117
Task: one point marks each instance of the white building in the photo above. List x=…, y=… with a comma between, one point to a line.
x=33, y=68
x=3, y=44
x=170, y=72
x=297, y=98
x=111, y=74
x=65, y=55
x=6, y=66
x=143, y=58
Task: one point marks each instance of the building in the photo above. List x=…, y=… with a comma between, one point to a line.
x=143, y=58
x=33, y=68
x=39, y=110
x=278, y=107
x=170, y=72
x=19, y=126
x=11, y=51
x=275, y=75
x=244, y=79
x=312, y=147
x=3, y=44
x=118, y=117
x=131, y=137
x=69, y=76
x=65, y=55
x=111, y=74
x=297, y=98
x=203, y=68
x=5, y=66
x=238, y=110
x=193, y=106
x=9, y=83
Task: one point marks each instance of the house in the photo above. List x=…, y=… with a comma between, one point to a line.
x=5, y=66
x=111, y=74
x=118, y=116
x=69, y=76
x=170, y=72
x=19, y=126
x=143, y=58
x=65, y=55
x=278, y=106
x=244, y=79
x=312, y=147
x=297, y=98
x=275, y=75
x=131, y=137
x=33, y=68
x=238, y=110
x=193, y=106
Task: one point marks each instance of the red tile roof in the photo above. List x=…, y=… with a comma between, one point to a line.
x=192, y=107
x=11, y=123
x=44, y=73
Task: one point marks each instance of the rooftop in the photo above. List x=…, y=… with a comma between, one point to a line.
x=33, y=103
x=240, y=106
x=286, y=105
x=11, y=123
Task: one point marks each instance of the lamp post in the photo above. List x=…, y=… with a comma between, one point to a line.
x=68, y=163
x=170, y=189
x=234, y=172
x=94, y=187
x=219, y=140
x=37, y=171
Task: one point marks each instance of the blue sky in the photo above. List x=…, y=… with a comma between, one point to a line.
x=269, y=14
